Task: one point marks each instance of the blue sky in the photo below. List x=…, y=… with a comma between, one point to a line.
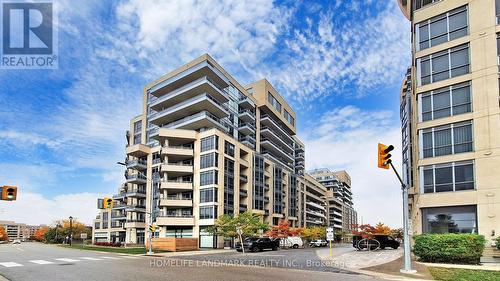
x=340, y=64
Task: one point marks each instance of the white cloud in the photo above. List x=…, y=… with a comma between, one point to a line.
x=33, y=208
x=346, y=139
x=332, y=56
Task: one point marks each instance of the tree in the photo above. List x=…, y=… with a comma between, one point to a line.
x=3, y=234
x=397, y=233
x=283, y=230
x=40, y=234
x=313, y=233
x=381, y=228
x=368, y=231
x=250, y=224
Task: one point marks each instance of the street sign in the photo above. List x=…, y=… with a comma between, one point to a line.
x=83, y=236
x=329, y=229
x=329, y=236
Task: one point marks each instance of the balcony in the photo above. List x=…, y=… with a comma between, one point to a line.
x=267, y=121
x=174, y=219
x=176, y=185
x=177, y=169
x=135, y=223
x=243, y=193
x=137, y=150
x=136, y=208
x=189, y=107
x=203, y=119
x=247, y=116
x=136, y=164
x=314, y=213
x=277, y=139
x=119, y=216
x=276, y=149
x=299, y=156
x=136, y=193
x=176, y=202
x=180, y=152
x=119, y=206
x=300, y=164
x=243, y=207
x=248, y=141
x=247, y=128
x=200, y=85
x=136, y=178
x=243, y=178
x=316, y=205
x=120, y=196
x=246, y=102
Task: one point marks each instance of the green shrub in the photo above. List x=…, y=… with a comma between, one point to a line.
x=498, y=242
x=449, y=248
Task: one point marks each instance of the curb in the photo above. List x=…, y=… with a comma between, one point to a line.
x=495, y=267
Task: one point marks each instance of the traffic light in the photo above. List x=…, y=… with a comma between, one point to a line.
x=384, y=158
x=152, y=228
x=9, y=193
x=107, y=203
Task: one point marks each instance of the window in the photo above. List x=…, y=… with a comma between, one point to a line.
x=448, y=177
x=208, y=212
x=137, y=127
x=448, y=139
x=208, y=160
x=229, y=148
x=444, y=102
x=422, y=3
x=209, y=177
x=289, y=118
x=137, y=139
x=497, y=10
x=228, y=186
x=442, y=28
x=443, y=65
x=105, y=220
x=456, y=219
x=209, y=143
x=208, y=195
x=273, y=101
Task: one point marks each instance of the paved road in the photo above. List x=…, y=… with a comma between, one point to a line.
x=34, y=261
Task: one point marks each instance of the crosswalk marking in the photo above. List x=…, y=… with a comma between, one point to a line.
x=10, y=264
x=67, y=260
x=91, y=259
x=41, y=262
x=111, y=258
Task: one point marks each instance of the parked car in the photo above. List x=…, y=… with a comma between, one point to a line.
x=384, y=241
x=16, y=241
x=318, y=243
x=292, y=242
x=255, y=244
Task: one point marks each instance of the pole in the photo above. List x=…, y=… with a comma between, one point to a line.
x=331, y=250
x=406, y=237
x=70, y=231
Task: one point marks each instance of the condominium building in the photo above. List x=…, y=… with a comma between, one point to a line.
x=19, y=230
x=341, y=214
x=204, y=146
x=450, y=115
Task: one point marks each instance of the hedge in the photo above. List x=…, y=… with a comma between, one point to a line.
x=449, y=248
x=108, y=244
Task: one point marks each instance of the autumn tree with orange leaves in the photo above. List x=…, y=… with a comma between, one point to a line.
x=283, y=230
x=3, y=234
x=368, y=231
x=40, y=234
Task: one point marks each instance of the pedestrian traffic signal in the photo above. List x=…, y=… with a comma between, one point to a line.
x=9, y=193
x=384, y=158
x=152, y=228
x=107, y=203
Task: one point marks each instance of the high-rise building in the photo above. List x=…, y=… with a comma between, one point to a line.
x=450, y=115
x=340, y=207
x=205, y=146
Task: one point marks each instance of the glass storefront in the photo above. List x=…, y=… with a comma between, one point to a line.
x=456, y=219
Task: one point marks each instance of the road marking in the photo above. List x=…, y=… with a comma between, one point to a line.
x=19, y=249
x=41, y=262
x=91, y=259
x=110, y=258
x=67, y=260
x=130, y=257
x=10, y=264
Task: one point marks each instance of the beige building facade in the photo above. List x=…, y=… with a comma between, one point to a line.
x=205, y=146
x=450, y=114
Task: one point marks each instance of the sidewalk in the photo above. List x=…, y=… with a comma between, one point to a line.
x=353, y=259
x=484, y=266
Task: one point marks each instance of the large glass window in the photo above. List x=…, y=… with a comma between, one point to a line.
x=208, y=160
x=229, y=148
x=448, y=139
x=448, y=177
x=444, y=102
x=442, y=28
x=455, y=219
x=208, y=177
x=272, y=100
x=289, y=118
x=208, y=195
x=422, y=3
x=209, y=143
x=228, y=186
x=208, y=212
x=443, y=65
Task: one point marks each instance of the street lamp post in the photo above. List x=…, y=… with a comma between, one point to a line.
x=150, y=248
x=70, y=230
